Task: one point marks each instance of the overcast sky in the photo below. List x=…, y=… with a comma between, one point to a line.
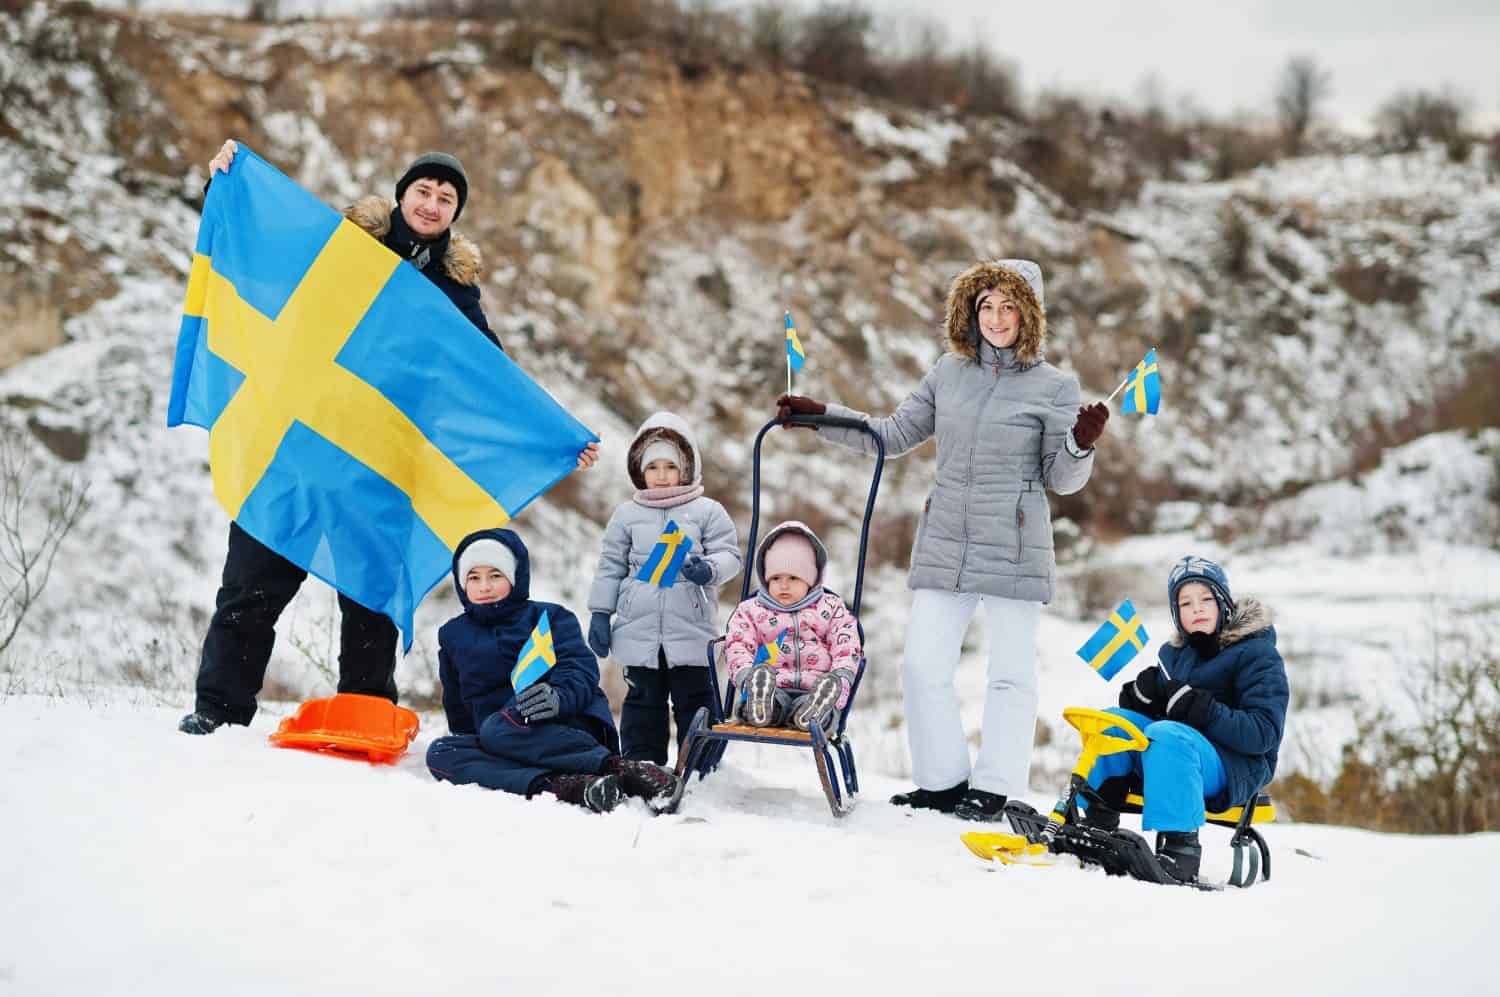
x=1225, y=55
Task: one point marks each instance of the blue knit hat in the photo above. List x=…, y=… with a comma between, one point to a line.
x=1199, y=569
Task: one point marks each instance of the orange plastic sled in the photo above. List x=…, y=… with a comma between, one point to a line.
x=350, y=724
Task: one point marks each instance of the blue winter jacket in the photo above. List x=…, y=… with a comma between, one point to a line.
x=1248, y=680
x=478, y=649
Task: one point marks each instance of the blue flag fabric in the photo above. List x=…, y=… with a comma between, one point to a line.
x=1117, y=641
x=794, y=353
x=359, y=425
x=1143, y=388
x=537, y=656
x=666, y=557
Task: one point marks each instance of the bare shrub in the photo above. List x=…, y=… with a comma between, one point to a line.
x=1301, y=88
x=834, y=44
x=1437, y=774
x=1412, y=116
x=38, y=509
x=772, y=32
x=263, y=11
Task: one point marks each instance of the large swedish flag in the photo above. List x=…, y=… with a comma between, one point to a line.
x=358, y=424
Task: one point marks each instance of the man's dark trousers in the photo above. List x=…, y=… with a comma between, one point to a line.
x=258, y=584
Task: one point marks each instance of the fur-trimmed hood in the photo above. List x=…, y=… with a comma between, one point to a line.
x=462, y=262
x=664, y=426
x=963, y=321
x=1250, y=617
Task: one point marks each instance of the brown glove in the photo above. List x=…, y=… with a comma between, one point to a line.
x=1090, y=425
x=790, y=405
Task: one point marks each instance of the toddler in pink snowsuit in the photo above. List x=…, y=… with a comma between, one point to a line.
x=793, y=648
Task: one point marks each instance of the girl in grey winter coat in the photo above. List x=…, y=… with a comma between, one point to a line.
x=1008, y=427
x=660, y=634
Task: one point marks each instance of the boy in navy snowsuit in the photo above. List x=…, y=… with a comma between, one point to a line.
x=1214, y=709
x=557, y=736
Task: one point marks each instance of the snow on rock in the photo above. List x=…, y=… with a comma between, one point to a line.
x=929, y=141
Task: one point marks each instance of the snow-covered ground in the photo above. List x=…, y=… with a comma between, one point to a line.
x=142, y=861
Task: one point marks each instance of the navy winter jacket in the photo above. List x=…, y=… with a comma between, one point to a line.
x=478, y=649
x=1248, y=680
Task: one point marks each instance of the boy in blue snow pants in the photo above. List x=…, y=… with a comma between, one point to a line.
x=1214, y=709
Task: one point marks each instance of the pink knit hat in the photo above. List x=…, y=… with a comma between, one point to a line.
x=792, y=554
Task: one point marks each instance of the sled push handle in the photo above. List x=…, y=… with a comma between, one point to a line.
x=814, y=421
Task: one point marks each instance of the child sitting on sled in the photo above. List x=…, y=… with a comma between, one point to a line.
x=793, y=648
x=556, y=735
x=1214, y=709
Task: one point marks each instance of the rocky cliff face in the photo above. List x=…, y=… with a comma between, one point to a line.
x=644, y=228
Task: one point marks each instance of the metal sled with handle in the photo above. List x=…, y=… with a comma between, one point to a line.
x=715, y=726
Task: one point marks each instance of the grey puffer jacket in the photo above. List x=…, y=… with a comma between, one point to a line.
x=1003, y=421
x=681, y=619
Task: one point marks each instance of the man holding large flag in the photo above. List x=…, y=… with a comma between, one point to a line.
x=329, y=456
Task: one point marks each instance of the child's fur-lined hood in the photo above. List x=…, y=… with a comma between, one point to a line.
x=1250, y=617
x=462, y=262
x=673, y=428
x=962, y=323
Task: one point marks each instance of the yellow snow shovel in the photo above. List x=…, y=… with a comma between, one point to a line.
x=1021, y=849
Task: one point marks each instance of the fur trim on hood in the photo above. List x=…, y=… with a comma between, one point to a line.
x=664, y=426
x=1250, y=617
x=462, y=262
x=963, y=322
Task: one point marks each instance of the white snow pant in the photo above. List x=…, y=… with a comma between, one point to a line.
x=935, y=732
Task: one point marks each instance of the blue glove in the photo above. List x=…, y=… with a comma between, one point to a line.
x=599, y=634
x=537, y=702
x=697, y=570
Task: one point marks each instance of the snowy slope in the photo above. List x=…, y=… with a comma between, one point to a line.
x=142, y=861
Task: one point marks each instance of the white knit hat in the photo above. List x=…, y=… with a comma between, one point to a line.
x=489, y=552
x=661, y=450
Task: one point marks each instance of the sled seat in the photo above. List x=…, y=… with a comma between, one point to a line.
x=743, y=731
x=352, y=725
x=1263, y=812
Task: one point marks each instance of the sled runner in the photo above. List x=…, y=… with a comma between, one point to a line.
x=1119, y=852
x=349, y=724
x=714, y=726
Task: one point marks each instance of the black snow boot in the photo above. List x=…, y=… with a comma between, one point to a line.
x=981, y=806
x=941, y=800
x=1101, y=816
x=599, y=793
x=645, y=780
x=1179, y=854
x=199, y=723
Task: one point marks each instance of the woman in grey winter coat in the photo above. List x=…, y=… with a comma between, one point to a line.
x=1008, y=426
x=660, y=634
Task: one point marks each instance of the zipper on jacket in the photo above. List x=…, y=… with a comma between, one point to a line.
x=1020, y=522
x=963, y=554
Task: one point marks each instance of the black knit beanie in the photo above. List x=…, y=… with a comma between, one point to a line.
x=436, y=166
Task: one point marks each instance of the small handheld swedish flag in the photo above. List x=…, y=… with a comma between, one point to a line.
x=1116, y=642
x=795, y=356
x=666, y=557
x=537, y=656
x=1143, y=387
x=769, y=653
